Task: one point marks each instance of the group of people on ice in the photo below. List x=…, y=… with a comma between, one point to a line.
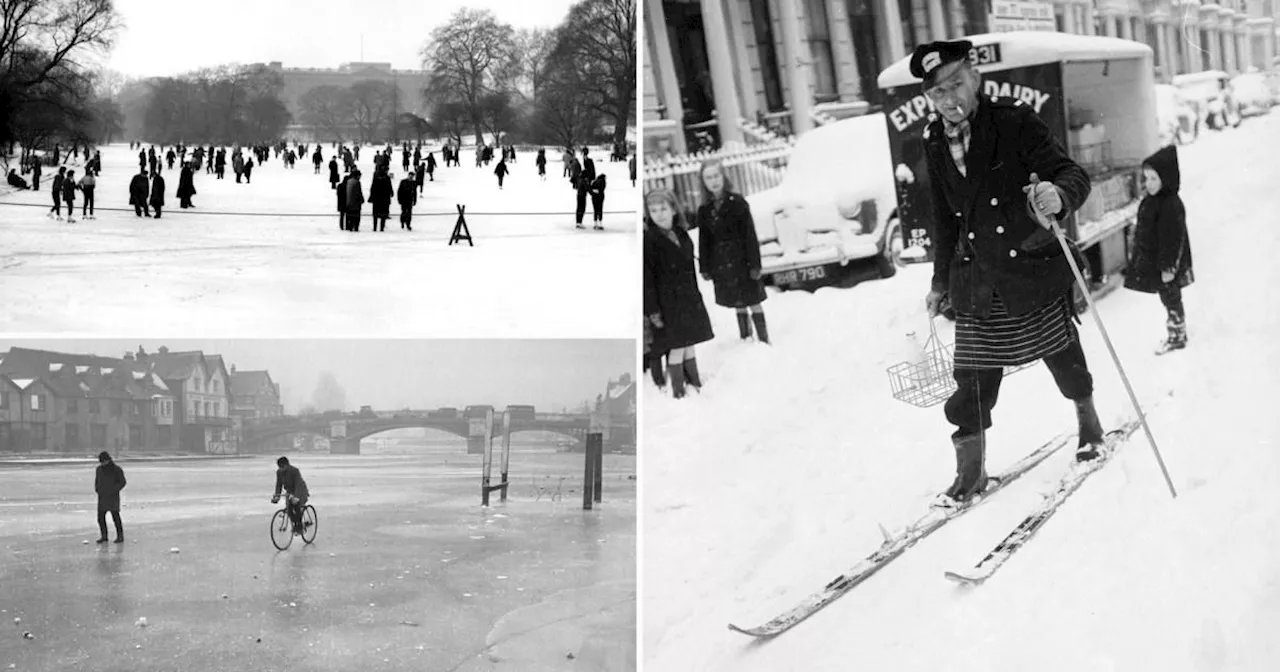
x=64, y=185
x=1002, y=270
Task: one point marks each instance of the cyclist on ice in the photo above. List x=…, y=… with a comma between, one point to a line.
x=290, y=480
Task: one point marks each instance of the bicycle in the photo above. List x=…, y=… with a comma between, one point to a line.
x=283, y=530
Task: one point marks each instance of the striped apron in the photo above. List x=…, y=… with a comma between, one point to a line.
x=1000, y=340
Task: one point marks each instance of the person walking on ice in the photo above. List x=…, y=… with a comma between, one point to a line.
x=597, y=202
x=69, y=194
x=407, y=196
x=56, y=210
x=88, y=184
x=108, y=481
x=157, y=193
x=501, y=171
x=996, y=260
x=1160, y=262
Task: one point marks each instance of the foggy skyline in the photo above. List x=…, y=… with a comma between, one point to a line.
x=162, y=38
x=394, y=374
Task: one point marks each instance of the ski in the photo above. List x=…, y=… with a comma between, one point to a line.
x=895, y=545
x=1075, y=477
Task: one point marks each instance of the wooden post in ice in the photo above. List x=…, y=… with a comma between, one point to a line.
x=506, y=453
x=485, y=427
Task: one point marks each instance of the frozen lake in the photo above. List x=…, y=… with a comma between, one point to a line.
x=407, y=572
x=288, y=269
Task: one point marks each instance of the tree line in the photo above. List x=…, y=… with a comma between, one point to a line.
x=47, y=92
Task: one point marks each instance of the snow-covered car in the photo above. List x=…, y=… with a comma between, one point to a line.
x=1252, y=94
x=1210, y=93
x=1177, y=118
x=833, y=218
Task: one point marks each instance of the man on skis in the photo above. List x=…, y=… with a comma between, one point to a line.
x=999, y=178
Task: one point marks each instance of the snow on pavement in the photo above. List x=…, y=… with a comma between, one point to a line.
x=196, y=272
x=775, y=479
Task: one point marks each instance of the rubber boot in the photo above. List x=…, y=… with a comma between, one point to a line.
x=744, y=326
x=761, y=330
x=676, y=373
x=1177, y=338
x=971, y=470
x=656, y=371
x=691, y=373
x=1090, y=430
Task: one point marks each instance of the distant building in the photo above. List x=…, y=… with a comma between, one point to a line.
x=70, y=403
x=200, y=383
x=298, y=81
x=254, y=395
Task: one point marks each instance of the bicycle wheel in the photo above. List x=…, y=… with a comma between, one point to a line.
x=281, y=530
x=309, y=524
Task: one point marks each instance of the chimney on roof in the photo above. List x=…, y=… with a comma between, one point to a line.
x=164, y=350
x=128, y=357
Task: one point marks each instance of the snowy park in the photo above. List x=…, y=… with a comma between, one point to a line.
x=794, y=461
x=407, y=571
x=269, y=256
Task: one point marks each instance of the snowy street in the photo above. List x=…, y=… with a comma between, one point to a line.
x=776, y=478
x=407, y=571
x=290, y=269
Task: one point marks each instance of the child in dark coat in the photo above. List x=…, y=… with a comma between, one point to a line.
x=1161, y=259
x=501, y=171
x=597, y=201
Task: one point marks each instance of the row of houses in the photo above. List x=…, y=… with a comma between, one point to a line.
x=712, y=64
x=162, y=402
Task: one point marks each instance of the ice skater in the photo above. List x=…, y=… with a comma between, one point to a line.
x=380, y=193
x=139, y=188
x=541, y=162
x=501, y=171
x=407, y=196
x=157, y=193
x=88, y=184
x=1160, y=262
x=597, y=202
x=186, y=187
x=69, y=194
x=56, y=210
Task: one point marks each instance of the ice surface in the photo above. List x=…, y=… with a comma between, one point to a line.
x=196, y=272
x=778, y=475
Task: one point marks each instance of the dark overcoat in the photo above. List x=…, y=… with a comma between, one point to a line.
x=380, y=193
x=985, y=237
x=138, y=188
x=108, y=482
x=290, y=480
x=354, y=196
x=728, y=250
x=1160, y=237
x=186, y=183
x=157, y=191
x=671, y=291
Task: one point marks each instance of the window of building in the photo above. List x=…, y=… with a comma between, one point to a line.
x=767, y=53
x=72, y=406
x=72, y=435
x=98, y=435
x=4, y=400
x=824, y=64
x=136, y=408
x=216, y=385
x=37, y=402
x=117, y=408
x=207, y=406
x=217, y=409
x=94, y=406
x=135, y=436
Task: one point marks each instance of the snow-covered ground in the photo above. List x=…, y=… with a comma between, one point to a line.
x=199, y=272
x=774, y=480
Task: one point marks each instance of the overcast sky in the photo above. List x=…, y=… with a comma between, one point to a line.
x=393, y=374
x=162, y=37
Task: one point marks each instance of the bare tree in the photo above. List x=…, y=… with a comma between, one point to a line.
x=566, y=109
x=372, y=101
x=330, y=108
x=599, y=40
x=452, y=118
x=469, y=57
x=533, y=50
x=497, y=116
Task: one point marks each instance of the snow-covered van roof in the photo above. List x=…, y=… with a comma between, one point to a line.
x=1028, y=47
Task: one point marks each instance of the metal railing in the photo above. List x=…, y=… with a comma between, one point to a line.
x=750, y=169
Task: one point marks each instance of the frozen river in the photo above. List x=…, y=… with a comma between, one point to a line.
x=288, y=268
x=408, y=572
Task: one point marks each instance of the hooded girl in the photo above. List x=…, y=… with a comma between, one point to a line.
x=1161, y=259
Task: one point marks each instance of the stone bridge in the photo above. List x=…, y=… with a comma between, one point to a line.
x=345, y=433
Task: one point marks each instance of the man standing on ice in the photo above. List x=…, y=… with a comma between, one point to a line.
x=995, y=259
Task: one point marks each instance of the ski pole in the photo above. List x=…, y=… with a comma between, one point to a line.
x=1093, y=310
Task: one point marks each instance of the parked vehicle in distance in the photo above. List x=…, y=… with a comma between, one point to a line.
x=1252, y=94
x=1210, y=92
x=833, y=219
x=1176, y=116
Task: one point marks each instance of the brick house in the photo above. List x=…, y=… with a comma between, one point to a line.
x=202, y=408
x=256, y=398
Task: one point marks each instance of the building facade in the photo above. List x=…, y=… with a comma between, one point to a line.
x=298, y=81
x=67, y=403
x=712, y=64
x=200, y=384
x=255, y=397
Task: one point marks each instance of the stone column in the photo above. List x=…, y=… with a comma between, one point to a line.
x=795, y=65
x=1163, y=56
x=665, y=68
x=1245, y=46
x=1109, y=23
x=1126, y=27
x=937, y=20
x=1069, y=19
x=722, y=80
x=1086, y=12
x=743, y=75
x=890, y=31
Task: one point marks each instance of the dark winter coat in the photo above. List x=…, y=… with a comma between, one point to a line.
x=588, y=170
x=631, y=164
x=729, y=251
x=57, y=187
x=139, y=187
x=380, y=193
x=355, y=194
x=419, y=172
x=68, y=190
x=1160, y=236
x=290, y=480
x=333, y=171
x=431, y=163
x=108, y=482
x=157, y=191
x=186, y=184
x=671, y=291
x=501, y=170
x=407, y=194
x=985, y=237
x=342, y=195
